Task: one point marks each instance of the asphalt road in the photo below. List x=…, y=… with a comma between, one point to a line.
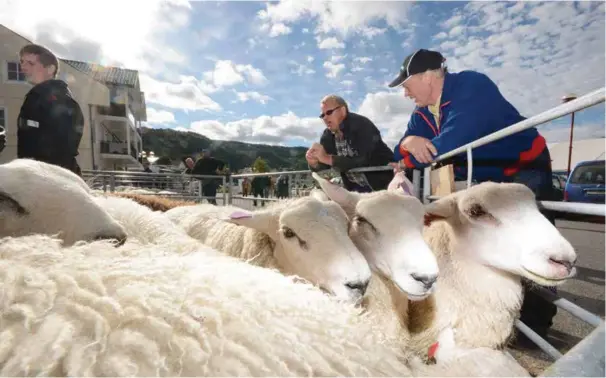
x=585, y=290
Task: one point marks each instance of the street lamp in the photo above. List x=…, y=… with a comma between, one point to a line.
x=565, y=99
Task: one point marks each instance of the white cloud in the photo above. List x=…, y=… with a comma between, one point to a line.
x=159, y=117
x=557, y=133
x=333, y=69
x=264, y=129
x=348, y=83
x=227, y=73
x=109, y=37
x=389, y=111
x=187, y=94
x=536, y=53
x=255, y=96
x=362, y=59
x=340, y=17
x=279, y=29
x=371, y=32
x=330, y=43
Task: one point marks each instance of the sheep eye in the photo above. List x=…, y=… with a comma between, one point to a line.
x=288, y=233
x=476, y=211
x=360, y=220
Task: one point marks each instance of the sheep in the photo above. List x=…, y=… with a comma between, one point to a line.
x=154, y=202
x=485, y=240
x=301, y=237
x=88, y=310
x=37, y=197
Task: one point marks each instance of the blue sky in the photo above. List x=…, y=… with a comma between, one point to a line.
x=256, y=71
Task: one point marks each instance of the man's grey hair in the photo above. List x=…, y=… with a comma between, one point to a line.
x=337, y=99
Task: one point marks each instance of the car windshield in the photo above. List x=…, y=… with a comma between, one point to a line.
x=589, y=174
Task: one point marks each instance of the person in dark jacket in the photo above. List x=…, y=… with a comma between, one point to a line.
x=208, y=165
x=453, y=109
x=350, y=141
x=50, y=123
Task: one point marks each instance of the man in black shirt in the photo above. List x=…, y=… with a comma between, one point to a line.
x=50, y=123
x=208, y=165
x=350, y=141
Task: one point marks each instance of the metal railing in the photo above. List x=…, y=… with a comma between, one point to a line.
x=586, y=358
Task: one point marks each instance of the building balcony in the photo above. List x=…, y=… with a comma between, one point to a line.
x=119, y=151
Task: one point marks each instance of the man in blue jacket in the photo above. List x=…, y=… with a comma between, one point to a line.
x=453, y=109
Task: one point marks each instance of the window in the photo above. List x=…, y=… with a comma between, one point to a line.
x=589, y=174
x=13, y=72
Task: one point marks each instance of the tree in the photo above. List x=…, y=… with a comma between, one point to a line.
x=260, y=165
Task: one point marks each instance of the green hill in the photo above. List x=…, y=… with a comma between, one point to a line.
x=175, y=145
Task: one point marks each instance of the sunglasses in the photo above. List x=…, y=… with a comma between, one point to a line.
x=329, y=112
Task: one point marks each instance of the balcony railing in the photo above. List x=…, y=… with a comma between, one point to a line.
x=118, y=148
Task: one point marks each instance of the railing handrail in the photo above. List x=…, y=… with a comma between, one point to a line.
x=580, y=103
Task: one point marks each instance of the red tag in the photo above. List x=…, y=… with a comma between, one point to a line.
x=432, y=350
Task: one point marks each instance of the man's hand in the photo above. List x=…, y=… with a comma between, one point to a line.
x=320, y=153
x=311, y=158
x=421, y=148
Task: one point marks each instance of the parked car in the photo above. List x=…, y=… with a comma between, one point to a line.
x=559, y=184
x=586, y=183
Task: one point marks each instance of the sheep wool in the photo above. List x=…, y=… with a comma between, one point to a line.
x=89, y=310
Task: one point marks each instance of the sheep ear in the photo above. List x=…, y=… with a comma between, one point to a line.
x=444, y=208
x=265, y=221
x=9, y=205
x=400, y=184
x=346, y=199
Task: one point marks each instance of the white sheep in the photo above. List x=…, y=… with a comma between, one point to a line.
x=37, y=197
x=88, y=310
x=485, y=241
x=301, y=237
x=486, y=238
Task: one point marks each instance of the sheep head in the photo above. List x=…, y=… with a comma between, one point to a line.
x=39, y=198
x=387, y=227
x=311, y=242
x=500, y=225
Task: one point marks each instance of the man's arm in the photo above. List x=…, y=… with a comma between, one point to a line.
x=367, y=137
x=324, y=141
x=466, y=125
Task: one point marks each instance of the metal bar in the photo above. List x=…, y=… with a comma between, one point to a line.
x=576, y=207
x=580, y=103
x=541, y=343
x=426, y=184
x=416, y=183
x=586, y=359
x=572, y=308
x=469, y=166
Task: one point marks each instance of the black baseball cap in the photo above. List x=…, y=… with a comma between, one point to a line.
x=418, y=62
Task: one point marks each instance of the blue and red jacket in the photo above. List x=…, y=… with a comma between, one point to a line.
x=472, y=107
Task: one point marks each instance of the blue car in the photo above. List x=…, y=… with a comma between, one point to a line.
x=586, y=183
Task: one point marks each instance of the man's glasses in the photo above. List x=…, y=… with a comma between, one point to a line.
x=329, y=112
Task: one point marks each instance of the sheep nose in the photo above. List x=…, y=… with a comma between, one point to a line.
x=359, y=286
x=425, y=279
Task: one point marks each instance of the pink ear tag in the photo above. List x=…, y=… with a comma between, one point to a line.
x=240, y=215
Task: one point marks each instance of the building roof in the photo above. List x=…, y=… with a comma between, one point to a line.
x=582, y=150
x=107, y=75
